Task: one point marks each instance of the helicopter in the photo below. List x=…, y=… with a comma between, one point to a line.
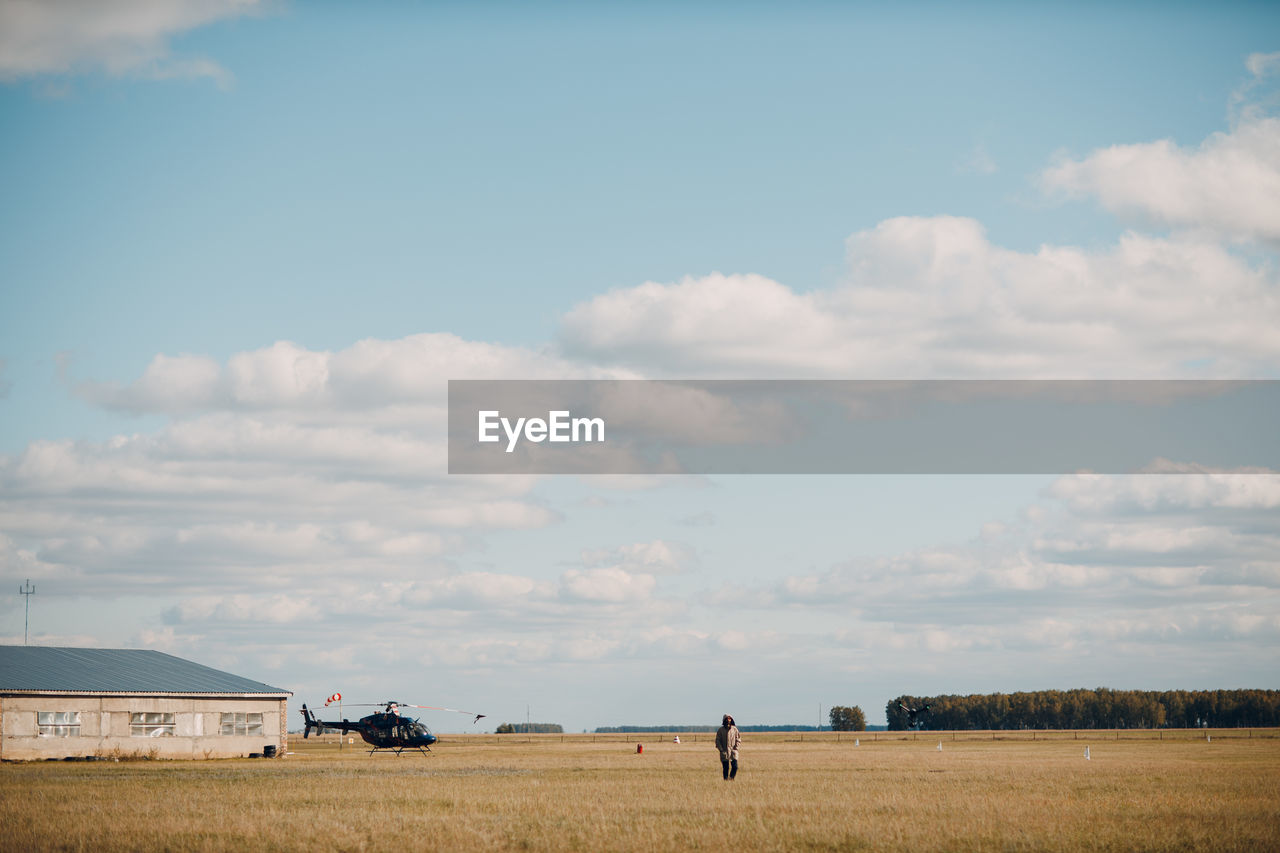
x=386, y=729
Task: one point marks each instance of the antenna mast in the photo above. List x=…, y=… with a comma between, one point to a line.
x=26, y=591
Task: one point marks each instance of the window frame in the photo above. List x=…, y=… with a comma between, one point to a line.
x=141, y=724
x=241, y=724
x=58, y=723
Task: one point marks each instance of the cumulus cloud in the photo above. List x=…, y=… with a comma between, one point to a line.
x=1141, y=559
x=932, y=297
x=389, y=376
x=214, y=502
x=612, y=584
x=1193, y=490
x=318, y=480
x=751, y=319
x=286, y=466
x=656, y=557
x=115, y=36
x=273, y=609
x=1229, y=185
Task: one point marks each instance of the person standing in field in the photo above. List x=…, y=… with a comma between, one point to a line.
x=728, y=739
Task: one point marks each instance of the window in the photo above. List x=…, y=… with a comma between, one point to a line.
x=58, y=723
x=151, y=724
x=242, y=724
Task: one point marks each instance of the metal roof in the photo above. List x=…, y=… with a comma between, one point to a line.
x=47, y=668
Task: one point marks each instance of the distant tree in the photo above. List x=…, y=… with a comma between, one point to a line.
x=529, y=728
x=848, y=719
x=1101, y=708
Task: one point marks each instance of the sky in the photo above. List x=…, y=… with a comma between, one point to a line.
x=244, y=246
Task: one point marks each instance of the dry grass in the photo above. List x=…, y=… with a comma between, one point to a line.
x=574, y=794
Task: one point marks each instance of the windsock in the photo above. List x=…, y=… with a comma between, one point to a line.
x=337, y=697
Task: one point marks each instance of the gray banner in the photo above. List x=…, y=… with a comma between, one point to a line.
x=860, y=427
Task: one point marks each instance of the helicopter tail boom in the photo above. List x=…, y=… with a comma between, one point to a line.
x=321, y=725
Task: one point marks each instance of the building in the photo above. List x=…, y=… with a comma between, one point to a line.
x=61, y=702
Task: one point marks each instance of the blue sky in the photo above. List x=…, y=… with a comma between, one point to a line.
x=243, y=246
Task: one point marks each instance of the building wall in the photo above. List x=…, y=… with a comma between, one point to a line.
x=106, y=727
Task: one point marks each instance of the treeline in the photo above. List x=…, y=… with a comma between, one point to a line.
x=529, y=729
x=613, y=730
x=1102, y=708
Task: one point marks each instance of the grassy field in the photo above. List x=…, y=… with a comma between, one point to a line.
x=585, y=793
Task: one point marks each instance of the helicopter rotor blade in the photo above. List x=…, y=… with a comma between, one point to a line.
x=478, y=717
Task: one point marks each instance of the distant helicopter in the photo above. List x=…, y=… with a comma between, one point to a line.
x=386, y=729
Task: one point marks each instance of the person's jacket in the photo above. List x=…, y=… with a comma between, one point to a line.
x=728, y=738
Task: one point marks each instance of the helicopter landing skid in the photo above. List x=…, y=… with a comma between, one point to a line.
x=399, y=749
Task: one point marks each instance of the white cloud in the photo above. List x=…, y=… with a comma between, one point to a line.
x=1263, y=64
x=1106, y=560
x=288, y=465
x=748, y=319
x=272, y=609
x=390, y=377
x=1104, y=553
x=1258, y=97
x=223, y=499
x=657, y=557
x=1193, y=490
x=115, y=36
x=610, y=584
x=929, y=298
x=1229, y=185
x=283, y=374
x=481, y=590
